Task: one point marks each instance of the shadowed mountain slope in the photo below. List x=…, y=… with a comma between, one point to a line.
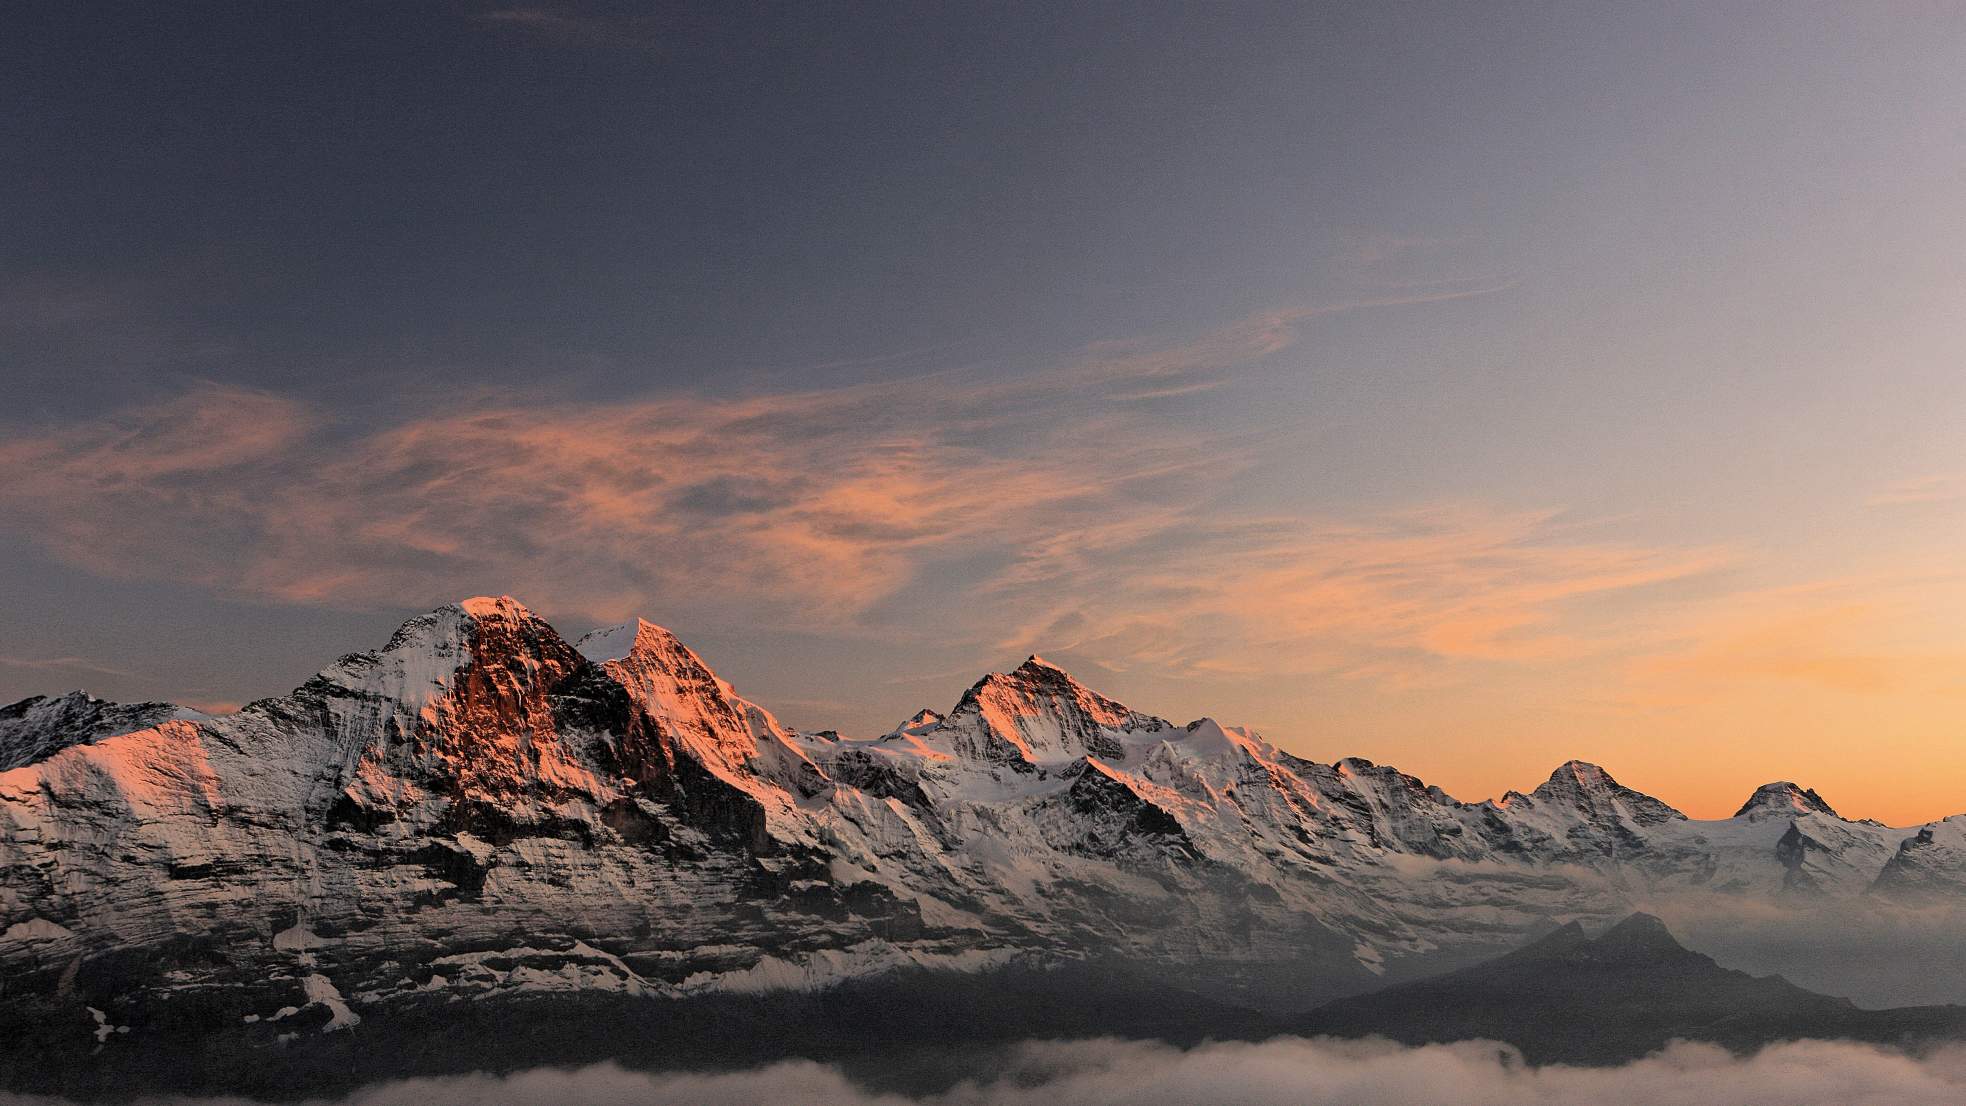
x=1576, y=999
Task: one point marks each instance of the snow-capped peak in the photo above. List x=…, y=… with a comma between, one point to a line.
x=1045, y=685
x=1205, y=740
x=737, y=740
x=1590, y=790
x=1783, y=800
x=1582, y=774
x=1038, y=713
x=495, y=606
x=423, y=659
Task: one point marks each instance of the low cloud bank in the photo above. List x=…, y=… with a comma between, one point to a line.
x=1286, y=1070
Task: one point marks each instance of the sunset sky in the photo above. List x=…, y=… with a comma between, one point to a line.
x=1467, y=387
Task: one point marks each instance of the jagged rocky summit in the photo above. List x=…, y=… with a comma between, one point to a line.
x=483, y=809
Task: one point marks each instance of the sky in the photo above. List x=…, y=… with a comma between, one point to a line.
x=1465, y=387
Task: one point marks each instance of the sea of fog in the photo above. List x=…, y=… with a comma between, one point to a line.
x=1287, y=1070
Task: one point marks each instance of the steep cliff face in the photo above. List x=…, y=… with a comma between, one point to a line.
x=482, y=809
x=702, y=724
x=475, y=785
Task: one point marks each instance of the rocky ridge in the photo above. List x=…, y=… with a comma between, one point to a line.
x=482, y=808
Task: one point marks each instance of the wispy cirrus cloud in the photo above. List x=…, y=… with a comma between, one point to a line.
x=1136, y=369
x=1394, y=595
x=63, y=664
x=810, y=506
x=1922, y=491
x=1053, y=508
x=807, y=502
x=1062, y=510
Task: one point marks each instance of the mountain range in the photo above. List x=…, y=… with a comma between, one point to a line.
x=484, y=812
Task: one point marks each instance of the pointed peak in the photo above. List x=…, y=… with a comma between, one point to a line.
x=920, y=720
x=1582, y=773
x=1036, y=665
x=1039, y=681
x=1035, y=672
x=1590, y=790
x=1038, y=712
x=1035, y=676
x=1783, y=799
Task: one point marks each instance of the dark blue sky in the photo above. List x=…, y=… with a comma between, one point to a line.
x=1573, y=378
x=295, y=195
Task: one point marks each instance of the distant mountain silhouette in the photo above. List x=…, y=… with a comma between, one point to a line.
x=1572, y=998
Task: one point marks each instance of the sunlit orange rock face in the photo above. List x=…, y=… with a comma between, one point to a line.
x=488, y=733
x=1006, y=709
x=527, y=730
x=495, y=734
